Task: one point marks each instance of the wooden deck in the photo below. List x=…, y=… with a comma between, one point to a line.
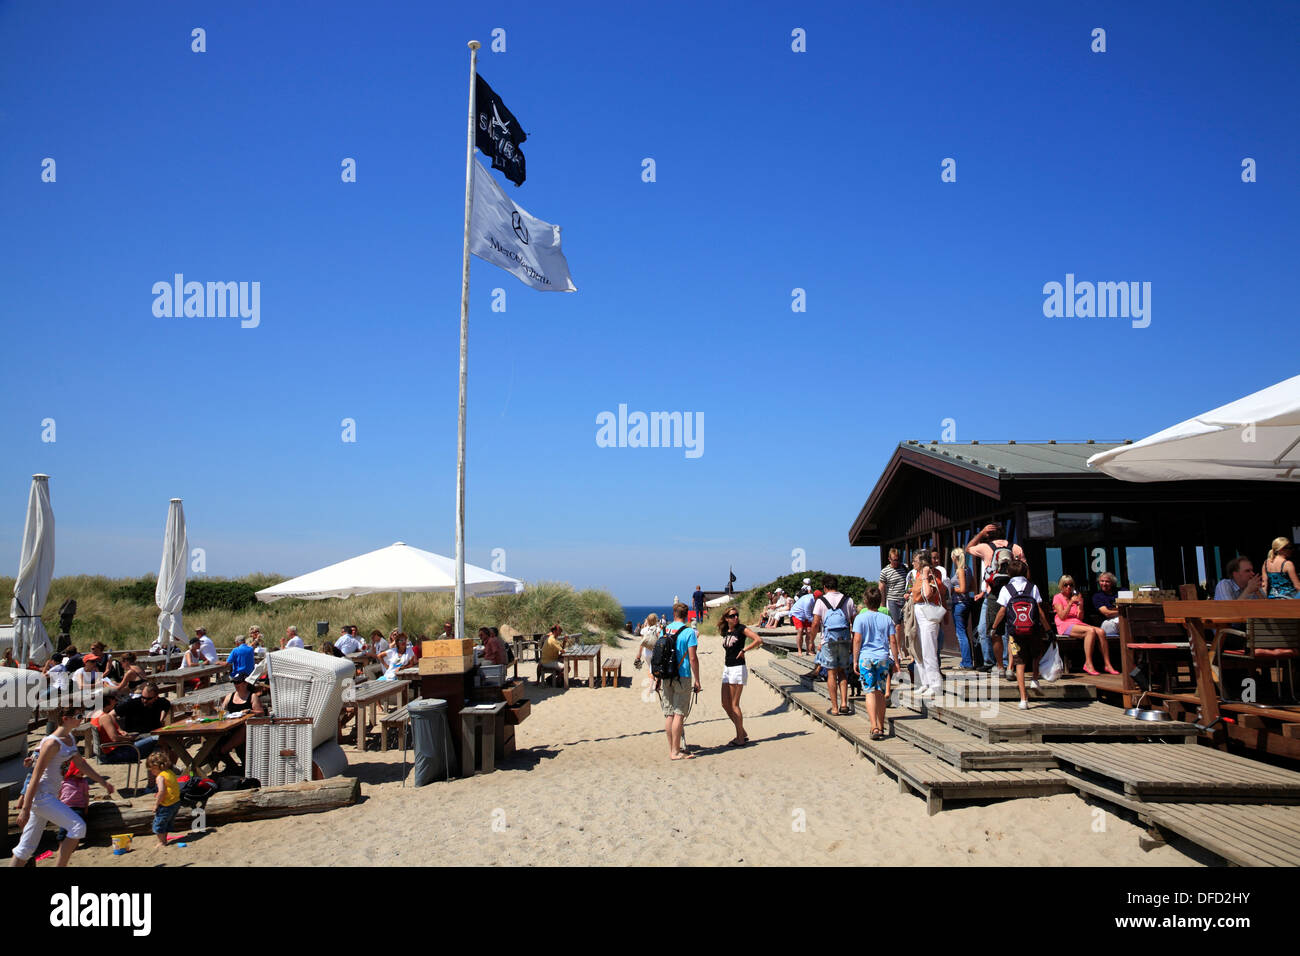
x=965, y=752
x=1000, y=722
x=931, y=778
x=1160, y=772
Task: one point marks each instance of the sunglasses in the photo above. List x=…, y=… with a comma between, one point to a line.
x=733, y=614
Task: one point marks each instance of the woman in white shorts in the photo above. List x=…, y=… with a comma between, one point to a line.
x=734, y=672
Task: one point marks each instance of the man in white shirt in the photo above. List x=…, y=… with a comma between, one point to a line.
x=206, y=647
x=801, y=615
x=347, y=643
x=291, y=638
x=833, y=615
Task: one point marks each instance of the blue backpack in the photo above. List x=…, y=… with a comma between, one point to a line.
x=835, y=625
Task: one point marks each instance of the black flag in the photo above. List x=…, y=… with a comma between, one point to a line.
x=497, y=133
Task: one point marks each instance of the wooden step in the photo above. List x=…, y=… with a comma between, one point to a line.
x=915, y=770
x=1160, y=772
x=970, y=753
x=975, y=687
x=1002, y=721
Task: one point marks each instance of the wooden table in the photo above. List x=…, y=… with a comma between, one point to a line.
x=576, y=655
x=205, y=699
x=487, y=720
x=178, y=677
x=1194, y=615
x=194, y=741
x=367, y=700
x=525, y=642
x=149, y=661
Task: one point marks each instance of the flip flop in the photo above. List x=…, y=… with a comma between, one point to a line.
x=1111, y=670
x=832, y=713
x=1090, y=670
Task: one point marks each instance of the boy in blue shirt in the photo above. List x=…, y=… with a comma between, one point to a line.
x=875, y=649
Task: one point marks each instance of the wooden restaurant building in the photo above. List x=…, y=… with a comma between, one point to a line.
x=1070, y=519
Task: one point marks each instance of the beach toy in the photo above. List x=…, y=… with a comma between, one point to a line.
x=121, y=843
x=45, y=856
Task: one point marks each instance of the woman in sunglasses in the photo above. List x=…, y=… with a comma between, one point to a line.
x=40, y=803
x=734, y=672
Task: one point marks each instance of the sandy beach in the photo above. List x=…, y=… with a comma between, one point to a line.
x=592, y=785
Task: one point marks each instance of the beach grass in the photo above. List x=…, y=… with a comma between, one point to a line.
x=104, y=614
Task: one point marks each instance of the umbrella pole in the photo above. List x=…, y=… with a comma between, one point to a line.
x=399, y=610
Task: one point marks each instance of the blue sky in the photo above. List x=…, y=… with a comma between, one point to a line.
x=775, y=170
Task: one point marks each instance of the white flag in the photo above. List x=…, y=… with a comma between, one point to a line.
x=505, y=235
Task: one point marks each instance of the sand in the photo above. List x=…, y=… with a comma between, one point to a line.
x=592, y=785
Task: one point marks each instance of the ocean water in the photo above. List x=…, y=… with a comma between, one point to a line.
x=636, y=613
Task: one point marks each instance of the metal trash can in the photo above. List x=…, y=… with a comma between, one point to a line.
x=434, y=751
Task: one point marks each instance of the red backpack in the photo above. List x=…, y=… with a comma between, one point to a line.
x=1022, y=613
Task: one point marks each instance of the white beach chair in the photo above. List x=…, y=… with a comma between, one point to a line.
x=17, y=687
x=326, y=678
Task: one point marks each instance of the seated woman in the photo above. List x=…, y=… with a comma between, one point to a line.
x=89, y=677
x=397, y=657
x=1069, y=623
x=133, y=675
x=242, y=698
x=113, y=739
x=1279, y=570
x=494, y=649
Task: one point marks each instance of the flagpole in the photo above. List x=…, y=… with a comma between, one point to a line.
x=464, y=352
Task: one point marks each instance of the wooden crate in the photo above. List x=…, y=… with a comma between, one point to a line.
x=519, y=712
x=511, y=692
x=446, y=665
x=447, y=648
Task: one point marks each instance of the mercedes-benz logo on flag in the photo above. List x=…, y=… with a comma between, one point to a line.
x=520, y=229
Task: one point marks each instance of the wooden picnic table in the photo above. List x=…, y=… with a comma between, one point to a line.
x=178, y=677
x=203, y=699
x=195, y=740
x=575, y=655
x=367, y=700
x=520, y=644
x=148, y=661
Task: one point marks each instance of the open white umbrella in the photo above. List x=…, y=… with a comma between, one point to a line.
x=169, y=595
x=398, y=567
x=35, y=569
x=1256, y=438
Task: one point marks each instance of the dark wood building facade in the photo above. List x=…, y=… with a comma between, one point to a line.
x=1070, y=519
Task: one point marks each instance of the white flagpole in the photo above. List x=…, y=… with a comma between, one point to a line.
x=464, y=350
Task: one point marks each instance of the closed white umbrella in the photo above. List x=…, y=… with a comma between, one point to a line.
x=35, y=570
x=1256, y=438
x=398, y=567
x=169, y=595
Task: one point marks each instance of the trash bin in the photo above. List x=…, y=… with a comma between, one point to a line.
x=432, y=740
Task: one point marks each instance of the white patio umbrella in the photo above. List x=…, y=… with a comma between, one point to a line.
x=169, y=595
x=398, y=567
x=35, y=569
x=1255, y=438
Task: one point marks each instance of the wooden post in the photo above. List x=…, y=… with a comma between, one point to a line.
x=1130, y=688
x=1206, y=690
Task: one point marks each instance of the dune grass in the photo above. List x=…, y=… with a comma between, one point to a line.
x=123, y=623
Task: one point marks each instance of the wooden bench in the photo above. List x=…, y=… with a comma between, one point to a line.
x=399, y=719
x=612, y=669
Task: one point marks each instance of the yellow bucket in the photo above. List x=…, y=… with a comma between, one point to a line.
x=121, y=842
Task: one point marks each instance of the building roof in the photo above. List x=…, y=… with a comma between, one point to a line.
x=1015, y=459
x=981, y=467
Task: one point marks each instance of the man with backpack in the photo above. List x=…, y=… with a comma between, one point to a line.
x=1021, y=607
x=996, y=555
x=833, y=615
x=675, y=666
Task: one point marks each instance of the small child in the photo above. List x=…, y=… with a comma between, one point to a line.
x=74, y=793
x=168, y=801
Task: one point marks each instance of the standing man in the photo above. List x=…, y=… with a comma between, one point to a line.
x=833, y=615
x=801, y=615
x=893, y=587
x=675, y=692
x=206, y=647
x=698, y=600
x=996, y=554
